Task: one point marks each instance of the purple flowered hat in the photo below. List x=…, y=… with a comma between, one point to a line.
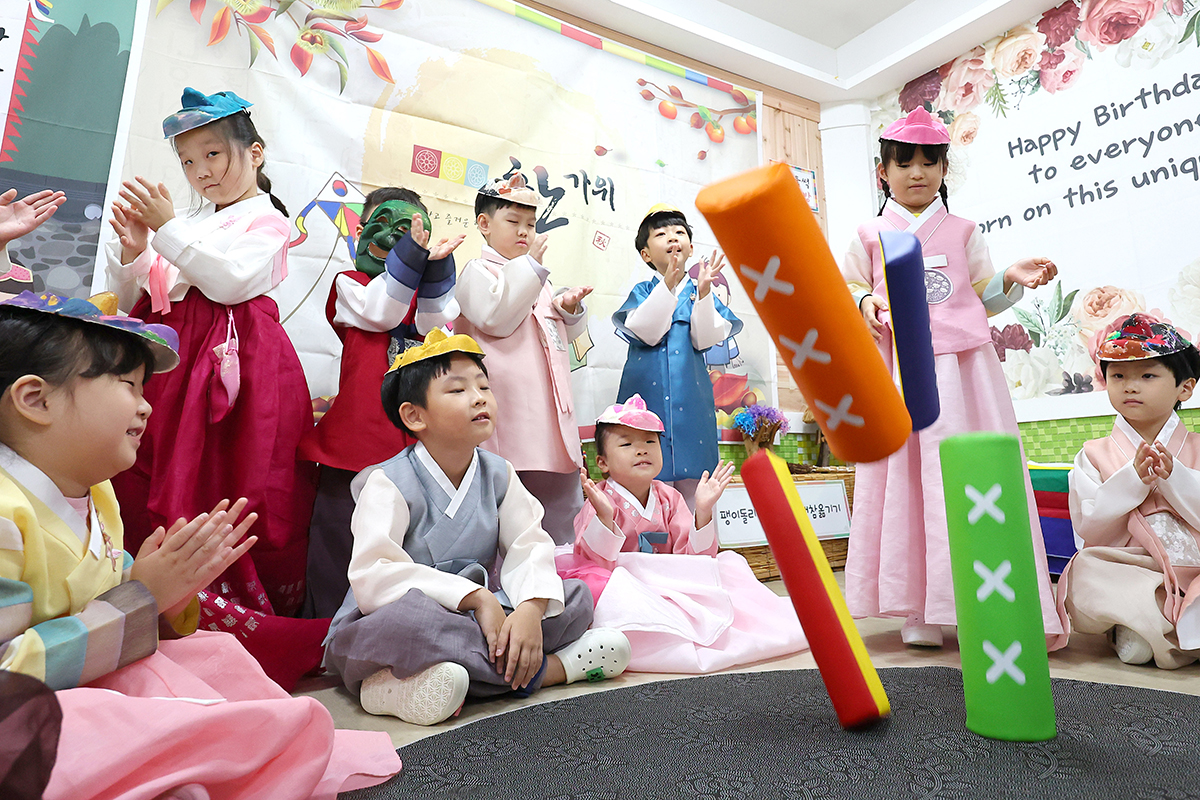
x=200, y=109
x=1140, y=338
x=632, y=413
x=163, y=340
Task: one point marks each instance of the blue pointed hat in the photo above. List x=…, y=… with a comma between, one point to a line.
x=201, y=109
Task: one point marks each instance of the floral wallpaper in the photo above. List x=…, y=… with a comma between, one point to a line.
x=1048, y=351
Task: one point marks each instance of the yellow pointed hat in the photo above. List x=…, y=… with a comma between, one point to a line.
x=437, y=342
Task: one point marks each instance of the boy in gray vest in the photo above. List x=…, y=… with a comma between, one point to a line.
x=453, y=584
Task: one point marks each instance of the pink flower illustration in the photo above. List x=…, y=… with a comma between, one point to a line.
x=965, y=81
x=920, y=91
x=1012, y=337
x=1108, y=22
x=1059, y=69
x=1059, y=24
x=1014, y=53
x=964, y=128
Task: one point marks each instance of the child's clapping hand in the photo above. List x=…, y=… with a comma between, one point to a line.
x=177, y=563
x=1031, y=272
x=709, y=490
x=605, y=512
x=149, y=203
x=21, y=217
x=1153, y=461
x=709, y=269
x=571, y=298
x=674, y=272
x=537, y=250
x=440, y=250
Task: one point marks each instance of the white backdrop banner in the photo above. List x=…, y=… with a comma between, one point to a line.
x=440, y=97
x=1076, y=135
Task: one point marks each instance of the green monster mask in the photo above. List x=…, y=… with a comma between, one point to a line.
x=388, y=223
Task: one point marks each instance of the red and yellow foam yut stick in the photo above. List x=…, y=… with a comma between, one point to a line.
x=850, y=678
x=777, y=250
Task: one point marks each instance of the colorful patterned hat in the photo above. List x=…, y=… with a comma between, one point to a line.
x=514, y=190
x=919, y=127
x=437, y=342
x=163, y=340
x=201, y=109
x=1140, y=338
x=633, y=414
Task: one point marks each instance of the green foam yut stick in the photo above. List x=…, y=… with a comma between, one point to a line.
x=1006, y=674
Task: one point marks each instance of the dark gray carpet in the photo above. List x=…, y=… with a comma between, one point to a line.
x=774, y=736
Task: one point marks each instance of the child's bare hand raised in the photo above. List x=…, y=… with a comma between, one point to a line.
x=131, y=232
x=23, y=216
x=571, y=298
x=709, y=491
x=148, y=202
x=600, y=502
x=1149, y=464
x=709, y=270
x=519, y=651
x=176, y=563
x=1032, y=272
x=537, y=250
x=874, y=311
x=675, y=272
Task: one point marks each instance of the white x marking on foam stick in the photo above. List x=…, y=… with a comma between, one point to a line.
x=765, y=281
x=984, y=504
x=806, y=350
x=994, y=581
x=1003, y=662
x=841, y=414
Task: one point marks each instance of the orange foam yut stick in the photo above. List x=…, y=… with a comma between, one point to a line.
x=778, y=252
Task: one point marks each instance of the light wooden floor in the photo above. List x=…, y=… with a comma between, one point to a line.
x=1088, y=658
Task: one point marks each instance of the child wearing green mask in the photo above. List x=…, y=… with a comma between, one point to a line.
x=401, y=287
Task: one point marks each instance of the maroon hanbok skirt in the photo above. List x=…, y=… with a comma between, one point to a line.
x=187, y=463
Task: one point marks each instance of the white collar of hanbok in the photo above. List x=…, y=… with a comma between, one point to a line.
x=912, y=222
x=456, y=495
x=39, y=483
x=1164, y=436
x=680, y=287
x=625, y=494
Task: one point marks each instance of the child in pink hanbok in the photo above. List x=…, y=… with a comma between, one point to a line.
x=898, y=563
x=1135, y=505
x=141, y=718
x=653, y=565
x=525, y=326
x=231, y=417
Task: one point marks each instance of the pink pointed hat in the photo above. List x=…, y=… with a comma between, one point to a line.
x=632, y=413
x=919, y=127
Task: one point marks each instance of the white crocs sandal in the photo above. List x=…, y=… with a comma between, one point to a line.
x=599, y=654
x=426, y=698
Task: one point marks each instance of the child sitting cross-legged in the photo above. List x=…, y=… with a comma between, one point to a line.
x=1135, y=505
x=653, y=565
x=453, y=589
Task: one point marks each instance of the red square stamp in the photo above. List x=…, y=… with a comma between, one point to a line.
x=601, y=240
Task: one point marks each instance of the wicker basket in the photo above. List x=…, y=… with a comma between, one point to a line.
x=760, y=559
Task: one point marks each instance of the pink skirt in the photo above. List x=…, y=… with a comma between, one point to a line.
x=904, y=568
x=201, y=712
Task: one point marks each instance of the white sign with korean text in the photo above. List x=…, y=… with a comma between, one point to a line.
x=738, y=525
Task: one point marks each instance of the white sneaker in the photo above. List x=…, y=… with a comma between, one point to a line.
x=1131, y=646
x=599, y=654
x=918, y=634
x=426, y=698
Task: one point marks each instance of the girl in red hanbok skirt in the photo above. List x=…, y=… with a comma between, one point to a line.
x=230, y=418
